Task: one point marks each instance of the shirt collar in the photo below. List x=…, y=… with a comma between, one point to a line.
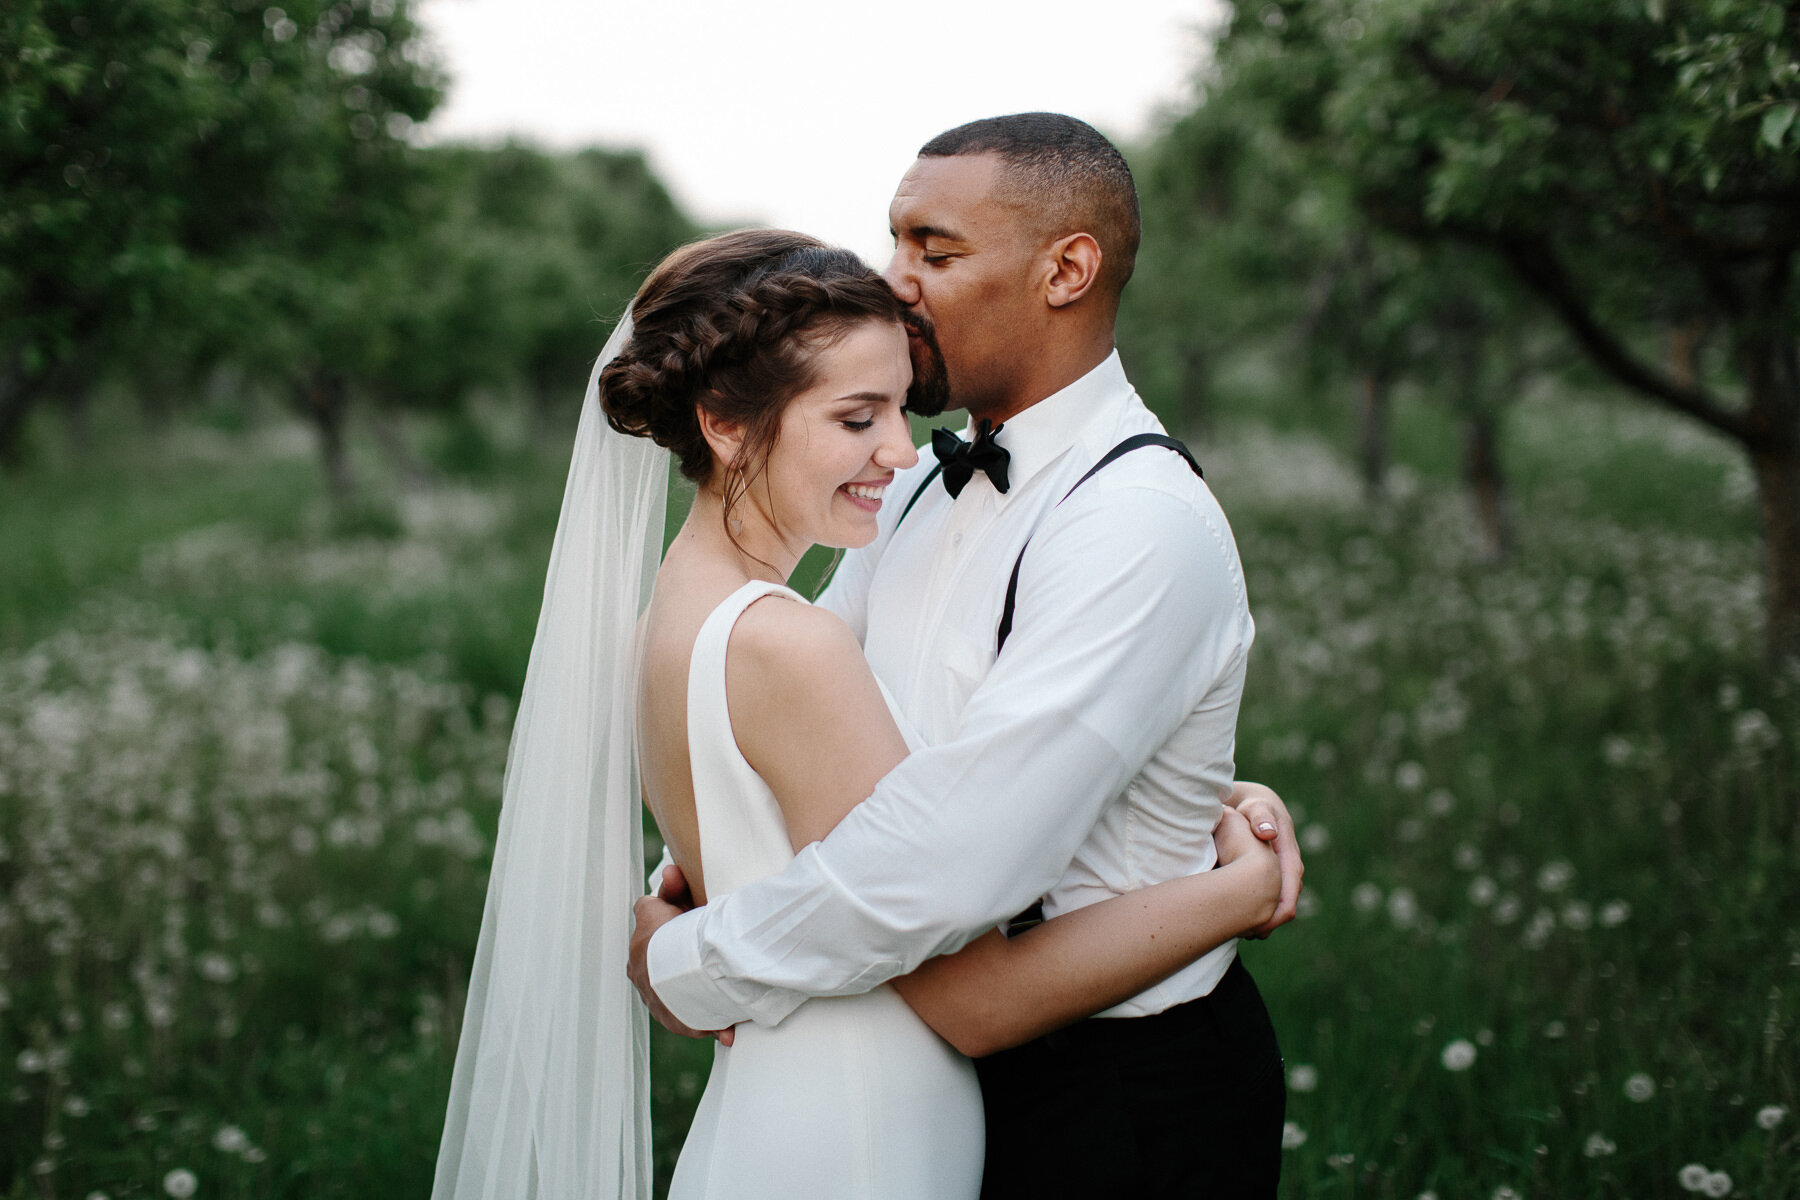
x=1038, y=436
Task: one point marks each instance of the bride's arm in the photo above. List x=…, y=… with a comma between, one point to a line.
x=809, y=717
x=998, y=992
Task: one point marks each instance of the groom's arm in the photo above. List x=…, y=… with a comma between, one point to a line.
x=1119, y=638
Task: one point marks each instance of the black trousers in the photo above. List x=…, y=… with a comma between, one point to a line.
x=1186, y=1103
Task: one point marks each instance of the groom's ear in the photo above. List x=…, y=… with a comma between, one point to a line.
x=1074, y=268
x=725, y=438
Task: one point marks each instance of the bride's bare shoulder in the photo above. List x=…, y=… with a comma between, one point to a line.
x=786, y=640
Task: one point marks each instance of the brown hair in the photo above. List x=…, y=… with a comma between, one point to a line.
x=733, y=325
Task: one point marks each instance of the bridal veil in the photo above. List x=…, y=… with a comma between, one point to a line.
x=550, y=1094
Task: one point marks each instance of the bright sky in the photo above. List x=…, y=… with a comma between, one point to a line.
x=801, y=113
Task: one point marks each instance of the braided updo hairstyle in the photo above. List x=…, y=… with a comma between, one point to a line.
x=733, y=324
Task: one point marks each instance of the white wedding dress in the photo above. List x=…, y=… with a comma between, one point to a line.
x=849, y=1098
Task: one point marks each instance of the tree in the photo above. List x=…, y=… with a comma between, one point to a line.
x=1636, y=166
x=146, y=144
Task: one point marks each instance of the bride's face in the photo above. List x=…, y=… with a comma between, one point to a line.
x=840, y=442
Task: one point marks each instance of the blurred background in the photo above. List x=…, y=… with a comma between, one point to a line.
x=1480, y=316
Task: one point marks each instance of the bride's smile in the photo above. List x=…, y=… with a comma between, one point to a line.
x=838, y=445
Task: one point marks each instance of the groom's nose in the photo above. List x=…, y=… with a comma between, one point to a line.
x=901, y=279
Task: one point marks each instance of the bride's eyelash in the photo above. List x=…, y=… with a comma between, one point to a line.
x=859, y=426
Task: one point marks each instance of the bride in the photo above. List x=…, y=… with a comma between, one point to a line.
x=775, y=369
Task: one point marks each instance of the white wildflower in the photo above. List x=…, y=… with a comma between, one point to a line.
x=1403, y=908
x=1691, y=1177
x=1640, y=1087
x=1555, y=876
x=180, y=1183
x=1365, y=897
x=1598, y=1145
x=230, y=1139
x=1770, y=1115
x=1303, y=1078
x=1614, y=913
x=1717, y=1184
x=1459, y=1055
x=1292, y=1136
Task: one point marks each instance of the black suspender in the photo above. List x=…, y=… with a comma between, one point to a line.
x=1135, y=442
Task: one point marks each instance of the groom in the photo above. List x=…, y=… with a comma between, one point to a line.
x=1084, y=759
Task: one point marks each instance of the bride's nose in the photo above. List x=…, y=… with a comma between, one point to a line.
x=896, y=450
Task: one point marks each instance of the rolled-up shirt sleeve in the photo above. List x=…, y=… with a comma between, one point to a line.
x=1118, y=636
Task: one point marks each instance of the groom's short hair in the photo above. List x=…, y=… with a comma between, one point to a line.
x=1064, y=171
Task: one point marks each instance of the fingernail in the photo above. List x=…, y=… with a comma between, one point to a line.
x=1266, y=826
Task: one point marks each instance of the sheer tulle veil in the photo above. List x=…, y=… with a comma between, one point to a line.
x=550, y=1094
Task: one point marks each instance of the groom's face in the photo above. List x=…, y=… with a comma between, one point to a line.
x=963, y=257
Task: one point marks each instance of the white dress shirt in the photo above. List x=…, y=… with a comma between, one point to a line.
x=1089, y=760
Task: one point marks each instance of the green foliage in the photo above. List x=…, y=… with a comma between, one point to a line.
x=149, y=143
x=248, y=764
x=1452, y=176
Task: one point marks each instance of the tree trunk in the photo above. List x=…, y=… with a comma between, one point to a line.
x=1372, y=432
x=1194, y=388
x=324, y=397
x=1778, y=491
x=19, y=390
x=1487, y=484
x=1682, y=339
x=75, y=390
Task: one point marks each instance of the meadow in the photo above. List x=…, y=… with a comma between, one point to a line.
x=251, y=745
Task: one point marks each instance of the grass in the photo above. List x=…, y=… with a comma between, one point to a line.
x=250, y=752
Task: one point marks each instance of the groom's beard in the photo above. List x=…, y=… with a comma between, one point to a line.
x=929, y=394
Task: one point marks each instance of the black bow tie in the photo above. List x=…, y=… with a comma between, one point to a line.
x=960, y=460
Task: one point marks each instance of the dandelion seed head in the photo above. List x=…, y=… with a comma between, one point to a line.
x=1639, y=1087
x=1303, y=1078
x=1717, y=1184
x=1314, y=838
x=1292, y=1136
x=1458, y=1055
x=1555, y=876
x=230, y=1139
x=1365, y=897
x=1614, y=913
x=1770, y=1115
x=1598, y=1145
x=180, y=1183
x=1403, y=908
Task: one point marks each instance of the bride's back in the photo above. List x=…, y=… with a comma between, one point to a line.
x=688, y=589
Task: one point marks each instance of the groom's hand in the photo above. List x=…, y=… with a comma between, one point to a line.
x=650, y=914
x=1270, y=821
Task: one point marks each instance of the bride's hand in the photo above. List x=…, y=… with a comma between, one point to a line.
x=1240, y=848
x=650, y=914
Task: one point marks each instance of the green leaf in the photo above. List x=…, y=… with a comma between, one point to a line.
x=1776, y=122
